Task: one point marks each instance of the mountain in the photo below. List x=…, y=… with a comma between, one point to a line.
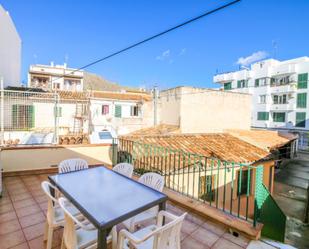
x=95, y=82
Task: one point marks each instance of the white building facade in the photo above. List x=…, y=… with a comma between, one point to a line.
x=10, y=50
x=55, y=77
x=122, y=112
x=279, y=94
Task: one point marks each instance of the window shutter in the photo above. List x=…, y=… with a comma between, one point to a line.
x=14, y=115
x=118, y=111
x=302, y=82
x=256, y=83
x=300, y=119
x=238, y=83
x=301, y=100
x=31, y=117
x=263, y=116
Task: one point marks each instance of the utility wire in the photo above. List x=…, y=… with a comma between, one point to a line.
x=150, y=38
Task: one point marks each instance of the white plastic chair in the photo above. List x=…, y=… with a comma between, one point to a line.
x=125, y=169
x=73, y=164
x=157, y=236
x=78, y=234
x=156, y=182
x=55, y=215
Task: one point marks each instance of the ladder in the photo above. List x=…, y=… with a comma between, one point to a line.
x=80, y=115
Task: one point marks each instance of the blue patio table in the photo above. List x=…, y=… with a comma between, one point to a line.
x=106, y=197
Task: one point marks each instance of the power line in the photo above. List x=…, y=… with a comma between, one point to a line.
x=150, y=38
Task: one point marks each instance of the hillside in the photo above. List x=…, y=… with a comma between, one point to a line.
x=96, y=82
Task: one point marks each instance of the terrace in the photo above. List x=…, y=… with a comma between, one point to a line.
x=23, y=209
x=23, y=205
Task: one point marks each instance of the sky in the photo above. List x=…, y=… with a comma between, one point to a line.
x=80, y=32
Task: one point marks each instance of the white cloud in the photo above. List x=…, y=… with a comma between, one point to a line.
x=256, y=56
x=165, y=55
x=182, y=51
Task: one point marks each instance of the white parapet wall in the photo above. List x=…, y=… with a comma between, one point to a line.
x=45, y=157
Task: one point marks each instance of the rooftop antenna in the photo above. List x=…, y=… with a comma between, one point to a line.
x=275, y=48
x=66, y=58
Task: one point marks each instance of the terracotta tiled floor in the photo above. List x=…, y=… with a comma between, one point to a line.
x=23, y=209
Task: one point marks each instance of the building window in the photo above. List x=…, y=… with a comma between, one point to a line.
x=118, y=111
x=260, y=82
x=58, y=111
x=56, y=86
x=23, y=117
x=279, y=117
x=262, y=99
x=301, y=100
x=256, y=83
x=302, y=81
x=263, y=116
x=134, y=111
x=243, y=187
x=242, y=83
x=279, y=81
x=228, y=86
x=280, y=99
x=105, y=109
x=300, y=119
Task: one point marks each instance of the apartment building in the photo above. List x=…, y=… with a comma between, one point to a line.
x=55, y=77
x=279, y=94
x=10, y=50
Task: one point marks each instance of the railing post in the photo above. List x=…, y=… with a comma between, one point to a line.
x=258, y=192
x=114, y=151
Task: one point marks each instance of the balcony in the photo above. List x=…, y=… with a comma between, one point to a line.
x=284, y=69
x=290, y=87
x=225, y=77
x=283, y=107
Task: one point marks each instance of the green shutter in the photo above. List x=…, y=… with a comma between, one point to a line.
x=263, y=116
x=301, y=100
x=228, y=86
x=58, y=111
x=256, y=84
x=238, y=83
x=118, y=111
x=279, y=117
x=31, y=117
x=300, y=119
x=302, y=82
x=14, y=115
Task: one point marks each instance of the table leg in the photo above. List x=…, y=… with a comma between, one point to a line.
x=102, y=235
x=162, y=206
x=102, y=243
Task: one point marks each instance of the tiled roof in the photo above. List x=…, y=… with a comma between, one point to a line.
x=71, y=95
x=222, y=146
x=161, y=129
x=267, y=140
x=121, y=96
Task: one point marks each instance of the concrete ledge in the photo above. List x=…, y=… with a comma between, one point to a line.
x=53, y=170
